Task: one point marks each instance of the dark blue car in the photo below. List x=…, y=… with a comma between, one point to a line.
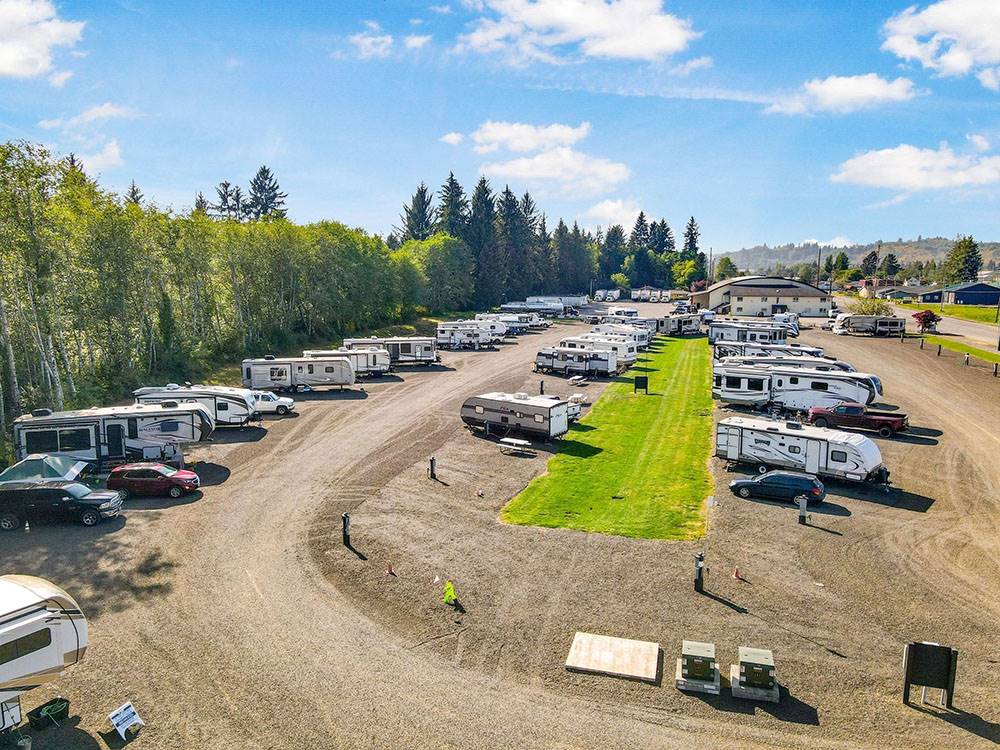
x=780, y=485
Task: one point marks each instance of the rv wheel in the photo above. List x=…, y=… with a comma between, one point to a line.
x=90, y=518
x=762, y=469
x=282, y=410
x=9, y=522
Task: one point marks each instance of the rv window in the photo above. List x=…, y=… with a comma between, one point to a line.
x=248, y=373
x=406, y=348
x=75, y=440
x=819, y=385
x=311, y=369
x=133, y=428
x=277, y=372
x=839, y=456
x=25, y=645
x=539, y=419
x=427, y=348
x=718, y=381
x=732, y=382
x=329, y=368
x=739, y=309
x=739, y=299
x=479, y=410
x=755, y=384
x=222, y=406
x=794, y=449
x=793, y=381
x=41, y=441
x=170, y=425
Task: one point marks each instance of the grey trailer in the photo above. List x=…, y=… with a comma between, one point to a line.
x=501, y=414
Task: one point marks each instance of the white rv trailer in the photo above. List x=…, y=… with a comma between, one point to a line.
x=114, y=434
x=755, y=349
x=229, y=406
x=815, y=363
x=599, y=295
x=42, y=632
x=873, y=325
x=624, y=347
x=491, y=331
x=791, y=328
x=626, y=312
x=639, y=334
x=516, y=324
x=679, y=325
x=613, y=295
x=790, y=387
x=272, y=373
x=790, y=445
x=567, y=360
x=635, y=295
x=726, y=330
x=644, y=295
x=372, y=361
x=654, y=296
x=403, y=350
x=503, y=413
x=788, y=318
x=552, y=309
x=567, y=300
x=463, y=338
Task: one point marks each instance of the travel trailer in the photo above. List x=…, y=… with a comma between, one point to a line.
x=567, y=300
x=403, y=350
x=229, y=406
x=790, y=445
x=790, y=387
x=726, y=330
x=755, y=349
x=600, y=360
x=471, y=337
x=626, y=312
x=644, y=295
x=654, y=296
x=372, y=361
x=42, y=632
x=624, y=347
x=873, y=325
x=599, y=295
x=679, y=325
x=550, y=309
x=613, y=295
x=516, y=324
x=790, y=319
x=638, y=334
x=491, y=331
x=112, y=435
x=271, y=373
x=814, y=363
x=503, y=413
x=635, y=295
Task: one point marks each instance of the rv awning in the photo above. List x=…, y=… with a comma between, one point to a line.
x=43, y=466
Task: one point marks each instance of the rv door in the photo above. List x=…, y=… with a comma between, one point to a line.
x=115, y=436
x=733, y=444
x=813, y=448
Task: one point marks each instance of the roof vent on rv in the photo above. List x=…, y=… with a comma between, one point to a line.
x=172, y=386
x=793, y=425
x=168, y=404
x=268, y=356
x=41, y=412
x=521, y=396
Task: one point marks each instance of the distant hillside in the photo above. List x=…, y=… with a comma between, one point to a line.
x=762, y=257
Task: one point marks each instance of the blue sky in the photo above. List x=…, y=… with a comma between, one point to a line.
x=768, y=121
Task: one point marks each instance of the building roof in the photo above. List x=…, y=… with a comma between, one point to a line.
x=774, y=291
x=968, y=284
x=770, y=283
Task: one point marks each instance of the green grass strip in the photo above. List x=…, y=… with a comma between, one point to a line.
x=975, y=313
x=947, y=343
x=636, y=465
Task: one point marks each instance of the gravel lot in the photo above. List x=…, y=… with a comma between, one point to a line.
x=237, y=618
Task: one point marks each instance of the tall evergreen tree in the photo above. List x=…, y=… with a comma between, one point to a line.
x=491, y=272
x=963, y=262
x=536, y=254
x=417, y=218
x=239, y=205
x=224, y=204
x=513, y=241
x=640, y=233
x=869, y=264
x=613, y=252
x=691, y=236
x=134, y=194
x=200, y=203
x=266, y=199
x=889, y=266
x=453, y=209
x=841, y=262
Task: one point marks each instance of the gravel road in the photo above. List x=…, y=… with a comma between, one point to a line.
x=237, y=618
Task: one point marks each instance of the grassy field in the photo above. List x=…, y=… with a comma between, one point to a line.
x=975, y=313
x=947, y=343
x=636, y=465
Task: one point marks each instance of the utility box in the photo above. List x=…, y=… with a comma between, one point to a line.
x=697, y=660
x=756, y=668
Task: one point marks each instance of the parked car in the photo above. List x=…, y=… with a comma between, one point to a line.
x=55, y=499
x=780, y=485
x=272, y=403
x=152, y=479
x=885, y=423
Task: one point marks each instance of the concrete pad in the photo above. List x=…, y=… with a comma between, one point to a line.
x=712, y=687
x=747, y=692
x=618, y=657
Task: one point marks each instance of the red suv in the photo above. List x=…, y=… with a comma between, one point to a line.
x=152, y=479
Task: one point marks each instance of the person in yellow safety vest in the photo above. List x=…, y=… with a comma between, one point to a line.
x=449, y=593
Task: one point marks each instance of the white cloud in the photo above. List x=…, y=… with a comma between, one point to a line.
x=519, y=136
x=97, y=113
x=416, y=41
x=570, y=169
x=980, y=142
x=371, y=44
x=547, y=30
x=441, y=9
x=613, y=211
x=29, y=29
x=690, y=66
x=452, y=139
x=58, y=80
x=893, y=201
x=232, y=63
x=108, y=157
x=416, y=21
x=910, y=169
x=838, y=241
x=843, y=94
x=950, y=37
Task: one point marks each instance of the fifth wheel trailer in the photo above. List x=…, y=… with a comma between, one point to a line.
x=725, y=330
x=623, y=346
x=574, y=360
x=42, y=632
x=753, y=349
x=790, y=387
x=504, y=413
x=873, y=325
x=371, y=361
x=292, y=373
x=229, y=406
x=403, y=350
x=114, y=434
x=790, y=445
x=814, y=363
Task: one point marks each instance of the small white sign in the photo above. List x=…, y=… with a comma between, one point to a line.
x=124, y=718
